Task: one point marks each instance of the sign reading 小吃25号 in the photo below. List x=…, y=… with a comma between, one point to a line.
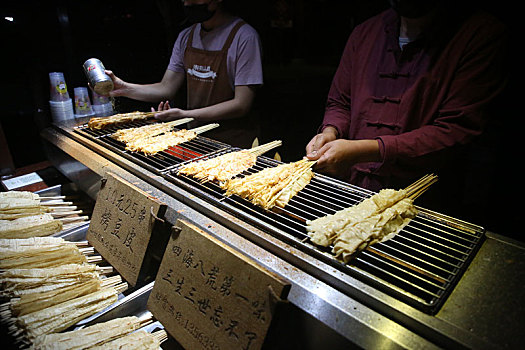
x=121, y=225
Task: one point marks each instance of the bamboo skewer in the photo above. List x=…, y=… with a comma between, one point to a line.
x=51, y=198
x=260, y=150
x=161, y=335
x=60, y=214
x=204, y=128
x=419, y=187
x=59, y=209
x=94, y=259
x=69, y=220
x=56, y=204
x=104, y=270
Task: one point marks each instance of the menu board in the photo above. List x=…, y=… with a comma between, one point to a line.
x=121, y=225
x=207, y=295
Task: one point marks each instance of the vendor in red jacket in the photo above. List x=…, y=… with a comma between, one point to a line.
x=413, y=83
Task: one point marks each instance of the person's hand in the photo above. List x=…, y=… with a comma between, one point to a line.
x=329, y=134
x=166, y=113
x=119, y=85
x=336, y=157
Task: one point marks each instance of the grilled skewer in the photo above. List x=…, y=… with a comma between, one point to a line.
x=226, y=166
x=151, y=145
x=375, y=219
x=272, y=186
x=98, y=123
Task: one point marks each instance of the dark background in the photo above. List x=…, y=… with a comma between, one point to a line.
x=135, y=39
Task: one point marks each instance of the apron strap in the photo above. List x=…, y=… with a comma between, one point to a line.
x=228, y=41
x=190, y=38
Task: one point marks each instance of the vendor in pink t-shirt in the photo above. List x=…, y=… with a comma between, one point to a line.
x=219, y=58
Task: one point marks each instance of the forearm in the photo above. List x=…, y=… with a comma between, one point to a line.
x=221, y=111
x=147, y=93
x=237, y=107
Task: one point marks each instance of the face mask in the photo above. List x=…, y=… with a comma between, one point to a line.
x=198, y=13
x=412, y=8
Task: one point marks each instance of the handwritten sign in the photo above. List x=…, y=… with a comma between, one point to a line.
x=121, y=225
x=209, y=296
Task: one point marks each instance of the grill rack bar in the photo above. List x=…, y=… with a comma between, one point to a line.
x=420, y=265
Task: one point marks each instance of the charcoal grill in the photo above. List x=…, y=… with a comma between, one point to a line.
x=421, y=265
x=440, y=283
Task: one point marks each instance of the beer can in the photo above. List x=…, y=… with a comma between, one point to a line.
x=100, y=82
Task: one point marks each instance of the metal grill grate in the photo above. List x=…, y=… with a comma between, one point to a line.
x=420, y=266
x=159, y=162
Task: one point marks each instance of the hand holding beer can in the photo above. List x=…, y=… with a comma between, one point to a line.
x=99, y=81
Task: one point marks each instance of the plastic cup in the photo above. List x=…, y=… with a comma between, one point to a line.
x=99, y=99
x=58, y=87
x=82, y=102
x=61, y=110
x=103, y=110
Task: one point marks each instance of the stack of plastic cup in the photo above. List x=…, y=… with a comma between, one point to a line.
x=82, y=103
x=102, y=105
x=60, y=103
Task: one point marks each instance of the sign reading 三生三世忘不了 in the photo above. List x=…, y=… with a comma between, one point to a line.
x=207, y=295
x=121, y=225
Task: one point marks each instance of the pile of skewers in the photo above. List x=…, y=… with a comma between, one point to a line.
x=25, y=214
x=119, y=333
x=49, y=284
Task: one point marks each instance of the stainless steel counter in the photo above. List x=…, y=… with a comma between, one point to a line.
x=326, y=305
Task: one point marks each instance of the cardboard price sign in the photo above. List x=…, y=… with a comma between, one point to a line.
x=209, y=296
x=121, y=225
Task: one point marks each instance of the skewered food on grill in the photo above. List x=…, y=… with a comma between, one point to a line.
x=30, y=226
x=88, y=337
x=42, y=256
x=13, y=207
x=61, y=316
x=131, y=134
x=154, y=144
x=324, y=230
x=18, y=194
x=98, y=123
x=35, y=301
x=19, y=204
x=151, y=145
x=375, y=219
x=226, y=166
x=376, y=228
x=17, y=282
x=272, y=186
x=13, y=243
x=139, y=340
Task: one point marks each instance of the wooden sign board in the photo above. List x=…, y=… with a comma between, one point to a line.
x=121, y=225
x=209, y=296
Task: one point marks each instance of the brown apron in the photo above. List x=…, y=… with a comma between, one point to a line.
x=208, y=84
